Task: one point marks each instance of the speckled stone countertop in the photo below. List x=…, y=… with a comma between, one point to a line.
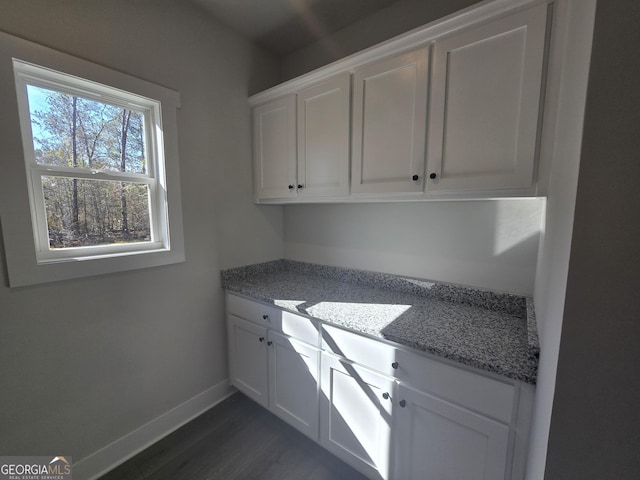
x=492, y=331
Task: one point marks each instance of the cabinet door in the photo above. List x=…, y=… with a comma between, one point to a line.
x=485, y=98
x=438, y=440
x=248, y=359
x=389, y=124
x=355, y=415
x=274, y=148
x=294, y=379
x=323, y=138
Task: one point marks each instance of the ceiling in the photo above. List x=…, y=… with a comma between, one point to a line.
x=283, y=26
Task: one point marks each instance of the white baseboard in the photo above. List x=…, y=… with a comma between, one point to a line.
x=121, y=450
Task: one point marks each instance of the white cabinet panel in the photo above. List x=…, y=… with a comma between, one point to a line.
x=274, y=145
x=355, y=415
x=437, y=440
x=276, y=370
x=389, y=124
x=247, y=358
x=294, y=378
x=486, y=85
x=323, y=138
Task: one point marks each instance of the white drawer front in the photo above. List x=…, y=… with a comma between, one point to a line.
x=365, y=351
x=288, y=323
x=301, y=328
x=468, y=389
x=253, y=311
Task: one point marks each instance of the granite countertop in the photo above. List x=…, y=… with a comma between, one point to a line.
x=495, y=332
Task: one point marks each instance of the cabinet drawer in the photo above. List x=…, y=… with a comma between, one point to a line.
x=253, y=311
x=288, y=323
x=468, y=389
x=365, y=351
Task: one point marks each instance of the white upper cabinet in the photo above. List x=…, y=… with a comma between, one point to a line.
x=323, y=138
x=485, y=97
x=274, y=148
x=449, y=111
x=389, y=124
x=301, y=143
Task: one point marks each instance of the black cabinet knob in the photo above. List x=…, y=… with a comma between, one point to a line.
x=415, y=178
x=265, y=316
x=300, y=185
x=432, y=176
x=291, y=187
x=385, y=395
x=403, y=403
x=269, y=343
x=261, y=339
x=395, y=365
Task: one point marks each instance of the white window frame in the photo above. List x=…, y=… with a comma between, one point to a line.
x=29, y=258
x=34, y=75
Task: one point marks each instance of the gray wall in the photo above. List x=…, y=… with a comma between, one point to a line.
x=398, y=18
x=488, y=244
x=595, y=423
x=85, y=362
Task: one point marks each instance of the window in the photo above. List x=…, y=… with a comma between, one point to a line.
x=95, y=166
x=100, y=162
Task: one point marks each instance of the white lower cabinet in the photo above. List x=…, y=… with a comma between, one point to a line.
x=387, y=411
x=388, y=430
x=248, y=354
x=276, y=370
x=437, y=440
x=355, y=415
x=294, y=368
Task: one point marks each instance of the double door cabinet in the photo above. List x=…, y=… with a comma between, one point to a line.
x=301, y=143
x=456, y=113
x=388, y=411
x=275, y=360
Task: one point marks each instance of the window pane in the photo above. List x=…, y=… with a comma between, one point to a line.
x=83, y=212
x=70, y=131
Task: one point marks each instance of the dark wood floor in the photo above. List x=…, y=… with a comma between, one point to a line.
x=236, y=439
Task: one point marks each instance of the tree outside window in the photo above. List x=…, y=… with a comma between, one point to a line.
x=75, y=132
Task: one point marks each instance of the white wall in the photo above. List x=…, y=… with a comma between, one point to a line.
x=561, y=147
x=85, y=362
x=489, y=244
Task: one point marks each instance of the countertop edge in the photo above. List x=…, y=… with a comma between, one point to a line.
x=439, y=353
